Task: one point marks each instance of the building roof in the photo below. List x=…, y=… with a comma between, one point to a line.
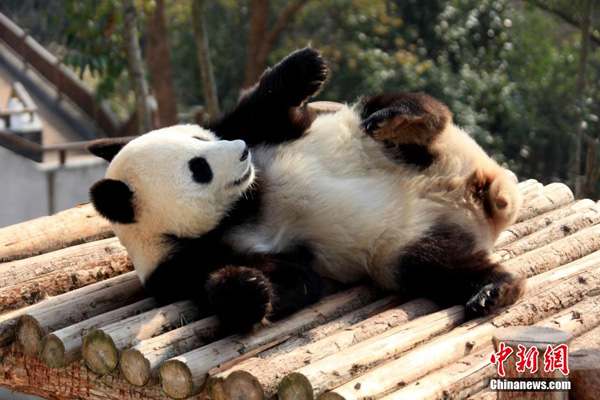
x=68, y=291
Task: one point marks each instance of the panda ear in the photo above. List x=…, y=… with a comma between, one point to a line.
x=107, y=148
x=113, y=200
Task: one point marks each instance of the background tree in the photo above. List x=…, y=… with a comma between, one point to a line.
x=206, y=69
x=261, y=39
x=135, y=67
x=158, y=54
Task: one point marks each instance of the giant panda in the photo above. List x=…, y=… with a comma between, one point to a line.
x=246, y=215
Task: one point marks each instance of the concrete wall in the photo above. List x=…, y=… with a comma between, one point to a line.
x=29, y=190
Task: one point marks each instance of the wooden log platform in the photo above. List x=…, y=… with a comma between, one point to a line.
x=71, y=305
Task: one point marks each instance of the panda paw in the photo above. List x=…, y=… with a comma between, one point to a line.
x=484, y=302
x=297, y=77
x=498, y=193
x=240, y=296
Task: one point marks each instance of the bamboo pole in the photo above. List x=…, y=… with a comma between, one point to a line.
x=550, y=292
x=67, y=228
x=63, y=346
x=562, y=228
x=553, y=196
x=184, y=375
x=25, y=282
x=109, y=340
x=269, y=369
x=60, y=311
x=522, y=229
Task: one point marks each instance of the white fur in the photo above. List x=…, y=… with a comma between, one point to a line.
x=166, y=199
x=334, y=188
x=357, y=208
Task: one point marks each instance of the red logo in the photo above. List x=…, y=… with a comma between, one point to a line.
x=555, y=358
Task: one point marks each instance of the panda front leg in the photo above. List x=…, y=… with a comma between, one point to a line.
x=407, y=123
x=271, y=111
x=445, y=267
x=272, y=288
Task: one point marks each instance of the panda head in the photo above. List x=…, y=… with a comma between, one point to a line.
x=178, y=181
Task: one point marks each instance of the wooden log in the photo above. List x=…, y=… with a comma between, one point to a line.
x=63, y=346
x=552, y=292
x=550, y=256
x=371, y=310
x=115, y=337
x=565, y=227
x=531, y=337
x=28, y=325
x=294, y=386
x=74, y=226
x=184, y=375
x=584, y=365
x=243, y=386
x=527, y=183
x=553, y=196
x=471, y=373
x=330, y=396
x=138, y=363
x=25, y=282
x=269, y=370
x=588, y=340
x=28, y=374
x=535, y=188
x=522, y=229
x=238, y=386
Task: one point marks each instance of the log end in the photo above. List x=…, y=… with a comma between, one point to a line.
x=215, y=389
x=99, y=352
x=176, y=379
x=52, y=351
x=295, y=386
x=241, y=385
x=530, y=336
x=135, y=367
x=29, y=334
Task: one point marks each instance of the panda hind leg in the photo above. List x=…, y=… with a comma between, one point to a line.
x=445, y=267
x=404, y=118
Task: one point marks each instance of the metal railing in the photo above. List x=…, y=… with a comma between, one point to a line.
x=20, y=145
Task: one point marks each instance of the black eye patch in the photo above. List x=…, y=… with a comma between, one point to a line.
x=201, y=171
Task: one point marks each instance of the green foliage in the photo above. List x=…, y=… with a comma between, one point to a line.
x=94, y=38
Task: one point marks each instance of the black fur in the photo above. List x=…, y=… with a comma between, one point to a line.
x=107, y=148
x=201, y=171
x=445, y=267
x=406, y=123
x=243, y=290
x=271, y=112
x=112, y=200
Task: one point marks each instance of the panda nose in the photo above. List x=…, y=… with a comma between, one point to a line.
x=245, y=154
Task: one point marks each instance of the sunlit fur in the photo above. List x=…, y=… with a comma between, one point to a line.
x=359, y=209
